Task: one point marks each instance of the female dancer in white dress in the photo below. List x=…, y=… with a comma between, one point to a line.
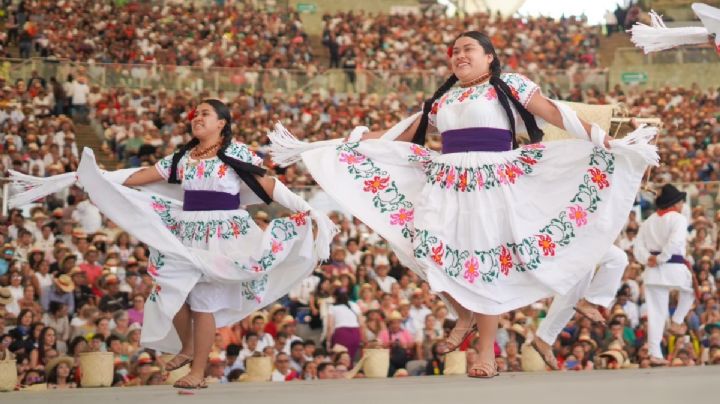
x=492, y=226
x=212, y=265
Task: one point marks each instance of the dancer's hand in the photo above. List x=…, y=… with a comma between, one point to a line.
x=652, y=262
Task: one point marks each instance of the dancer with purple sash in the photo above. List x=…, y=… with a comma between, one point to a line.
x=212, y=265
x=492, y=225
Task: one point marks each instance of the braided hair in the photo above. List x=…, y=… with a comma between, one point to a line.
x=245, y=171
x=504, y=93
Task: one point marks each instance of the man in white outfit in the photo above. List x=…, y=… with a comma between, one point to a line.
x=87, y=215
x=594, y=290
x=660, y=246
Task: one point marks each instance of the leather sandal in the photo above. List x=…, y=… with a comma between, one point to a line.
x=184, y=360
x=483, y=370
x=190, y=382
x=454, y=342
x=659, y=362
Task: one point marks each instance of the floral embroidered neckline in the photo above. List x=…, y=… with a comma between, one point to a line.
x=194, y=160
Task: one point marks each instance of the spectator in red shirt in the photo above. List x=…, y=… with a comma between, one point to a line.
x=283, y=372
x=91, y=267
x=277, y=314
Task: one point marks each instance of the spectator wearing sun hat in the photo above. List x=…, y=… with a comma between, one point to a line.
x=114, y=299
x=61, y=291
x=60, y=373
x=289, y=327
x=277, y=313
x=418, y=310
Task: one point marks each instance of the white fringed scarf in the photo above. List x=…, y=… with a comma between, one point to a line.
x=656, y=36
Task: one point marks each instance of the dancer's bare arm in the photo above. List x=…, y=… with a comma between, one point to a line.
x=268, y=184
x=144, y=176
x=540, y=106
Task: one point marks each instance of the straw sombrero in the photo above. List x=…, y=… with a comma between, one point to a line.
x=5, y=296
x=61, y=359
x=65, y=283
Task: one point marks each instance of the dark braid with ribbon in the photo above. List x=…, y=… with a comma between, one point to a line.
x=504, y=93
x=419, y=137
x=246, y=171
x=173, y=179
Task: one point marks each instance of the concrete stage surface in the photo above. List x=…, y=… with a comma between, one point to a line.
x=636, y=386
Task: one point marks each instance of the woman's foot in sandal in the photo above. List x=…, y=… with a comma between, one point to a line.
x=463, y=328
x=483, y=370
x=589, y=311
x=178, y=361
x=546, y=353
x=659, y=362
x=190, y=381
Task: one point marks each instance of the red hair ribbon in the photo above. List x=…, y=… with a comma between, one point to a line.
x=450, y=51
x=191, y=114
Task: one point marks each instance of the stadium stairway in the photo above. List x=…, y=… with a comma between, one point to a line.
x=606, y=53
x=86, y=137
x=319, y=51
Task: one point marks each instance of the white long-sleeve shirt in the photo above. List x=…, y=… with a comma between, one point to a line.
x=666, y=234
x=88, y=216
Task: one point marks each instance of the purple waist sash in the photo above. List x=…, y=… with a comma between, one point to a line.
x=674, y=259
x=476, y=139
x=210, y=200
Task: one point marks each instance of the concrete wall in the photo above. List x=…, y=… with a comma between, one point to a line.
x=707, y=75
x=681, y=66
x=313, y=22
x=678, y=10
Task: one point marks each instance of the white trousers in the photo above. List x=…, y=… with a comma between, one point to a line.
x=599, y=289
x=657, y=298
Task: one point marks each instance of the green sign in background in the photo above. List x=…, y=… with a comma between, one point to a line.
x=634, y=77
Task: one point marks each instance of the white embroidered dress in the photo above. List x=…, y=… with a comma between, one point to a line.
x=218, y=261
x=496, y=230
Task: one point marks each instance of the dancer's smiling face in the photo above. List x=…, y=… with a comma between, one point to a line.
x=469, y=60
x=206, y=125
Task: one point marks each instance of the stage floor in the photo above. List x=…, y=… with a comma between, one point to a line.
x=671, y=385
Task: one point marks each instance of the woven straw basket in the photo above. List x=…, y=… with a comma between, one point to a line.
x=375, y=364
x=259, y=369
x=455, y=363
x=36, y=387
x=531, y=359
x=8, y=375
x=97, y=369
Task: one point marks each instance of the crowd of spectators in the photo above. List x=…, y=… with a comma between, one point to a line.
x=409, y=42
x=74, y=282
x=180, y=33
x=71, y=281
x=241, y=36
